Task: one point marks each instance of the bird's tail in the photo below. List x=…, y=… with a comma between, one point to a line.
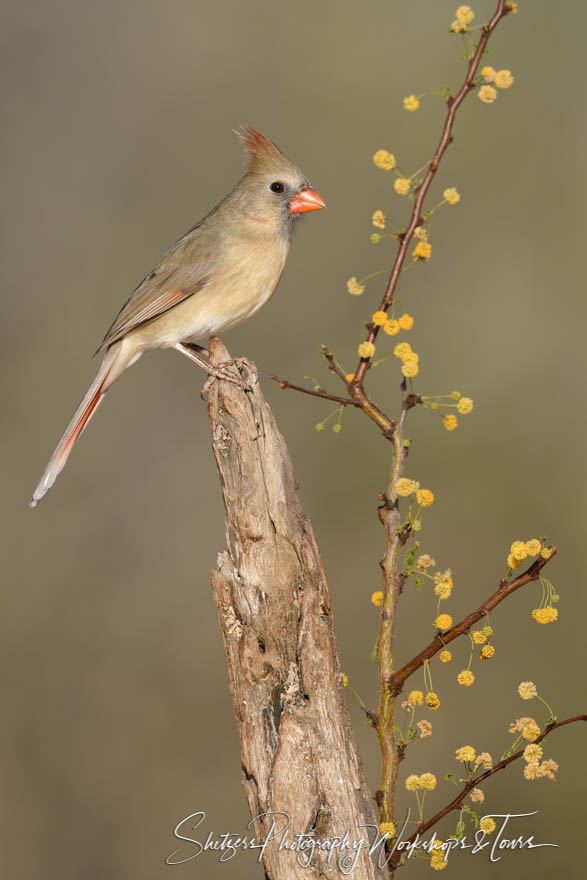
x=111, y=368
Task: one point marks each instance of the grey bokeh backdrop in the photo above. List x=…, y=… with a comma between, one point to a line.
x=117, y=136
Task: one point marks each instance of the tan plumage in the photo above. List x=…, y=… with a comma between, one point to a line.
x=214, y=277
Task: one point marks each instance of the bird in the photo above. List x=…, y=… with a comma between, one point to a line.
x=217, y=275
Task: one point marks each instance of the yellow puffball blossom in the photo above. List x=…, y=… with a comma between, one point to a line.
x=484, y=760
x=421, y=233
x=349, y=377
x=533, y=547
x=378, y=219
x=443, y=584
x=377, y=598
x=487, y=825
x=387, y=828
x=366, y=349
x=465, y=14
x=488, y=73
x=487, y=94
x=512, y=562
x=424, y=561
x=354, y=287
x=479, y=637
x=477, y=796
x=548, y=614
x=527, y=690
x=530, y=731
x=345, y=679
x=546, y=552
x=379, y=318
x=512, y=6
x=487, y=652
x=410, y=369
x=445, y=656
x=416, y=698
x=519, y=550
x=405, y=487
x=437, y=860
x=450, y=422
x=428, y=781
x=488, y=631
x=503, y=79
x=413, y=782
x=424, y=728
x=411, y=103
x=384, y=160
x=423, y=250
x=425, y=497
x=411, y=356
x=466, y=678
x=548, y=769
x=533, y=752
x=432, y=701
x=532, y=770
x=466, y=753
x=391, y=327
x=465, y=406
x=443, y=621
x=405, y=321
x=451, y=195
x=402, y=186
x=458, y=27
x=402, y=349
x=519, y=724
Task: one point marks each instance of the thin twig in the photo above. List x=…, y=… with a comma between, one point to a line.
x=344, y=401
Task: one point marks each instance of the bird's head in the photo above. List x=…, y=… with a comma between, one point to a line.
x=278, y=188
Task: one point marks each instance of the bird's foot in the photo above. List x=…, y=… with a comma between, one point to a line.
x=223, y=371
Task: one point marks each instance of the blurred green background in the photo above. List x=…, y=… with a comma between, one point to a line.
x=117, y=137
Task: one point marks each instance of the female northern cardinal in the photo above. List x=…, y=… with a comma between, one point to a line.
x=217, y=275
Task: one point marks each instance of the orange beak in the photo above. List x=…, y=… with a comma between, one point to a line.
x=306, y=200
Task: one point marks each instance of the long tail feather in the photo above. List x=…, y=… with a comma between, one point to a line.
x=74, y=430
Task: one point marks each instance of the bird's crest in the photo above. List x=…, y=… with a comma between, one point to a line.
x=261, y=152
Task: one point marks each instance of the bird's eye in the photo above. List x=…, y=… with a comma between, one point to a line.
x=277, y=187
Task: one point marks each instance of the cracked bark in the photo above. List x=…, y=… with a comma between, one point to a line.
x=298, y=749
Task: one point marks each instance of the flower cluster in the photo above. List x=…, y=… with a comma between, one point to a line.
x=463, y=18
x=520, y=550
x=426, y=781
x=503, y=79
x=454, y=400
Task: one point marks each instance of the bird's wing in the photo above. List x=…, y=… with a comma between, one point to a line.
x=182, y=272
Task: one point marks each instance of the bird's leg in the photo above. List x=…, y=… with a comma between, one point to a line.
x=195, y=347
x=220, y=372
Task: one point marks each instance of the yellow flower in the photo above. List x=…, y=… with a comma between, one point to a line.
x=479, y=637
x=432, y=701
x=405, y=321
x=384, y=160
x=546, y=552
x=451, y=195
x=488, y=73
x=405, y=487
x=458, y=27
x=421, y=233
x=379, y=318
x=423, y=250
x=413, y=782
x=465, y=406
x=519, y=550
x=548, y=769
x=527, y=690
x=503, y=79
x=416, y=698
x=391, y=327
x=424, y=728
x=402, y=186
x=428, y=781
x=487, y=825
x=378, y=219
x=438, y=861
x=466, y=753
x=349, y=377
x=354, y=287
x=345, y=679
x=411, y=103
x=410, y=356
x=548, y=614
x=530, y=731
x=366, y=349
x=520, y=723
x=387, y=828
x=533, y=752
x=450, y=422
x=533, y=547
x=487, y=652
x=425, y=560
x=425, y=497
x=377, y=598
x=465, y=14
x=532, y=770
x=445, y=656
x=484, y=760
x=512, y=6
x=410, y=369
x=466, y=678
x=443, y=621
x=512, y=562
x=488, y=631
x=487, y=94
x=443, y=584
x=402, y=349
x=477, y=796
